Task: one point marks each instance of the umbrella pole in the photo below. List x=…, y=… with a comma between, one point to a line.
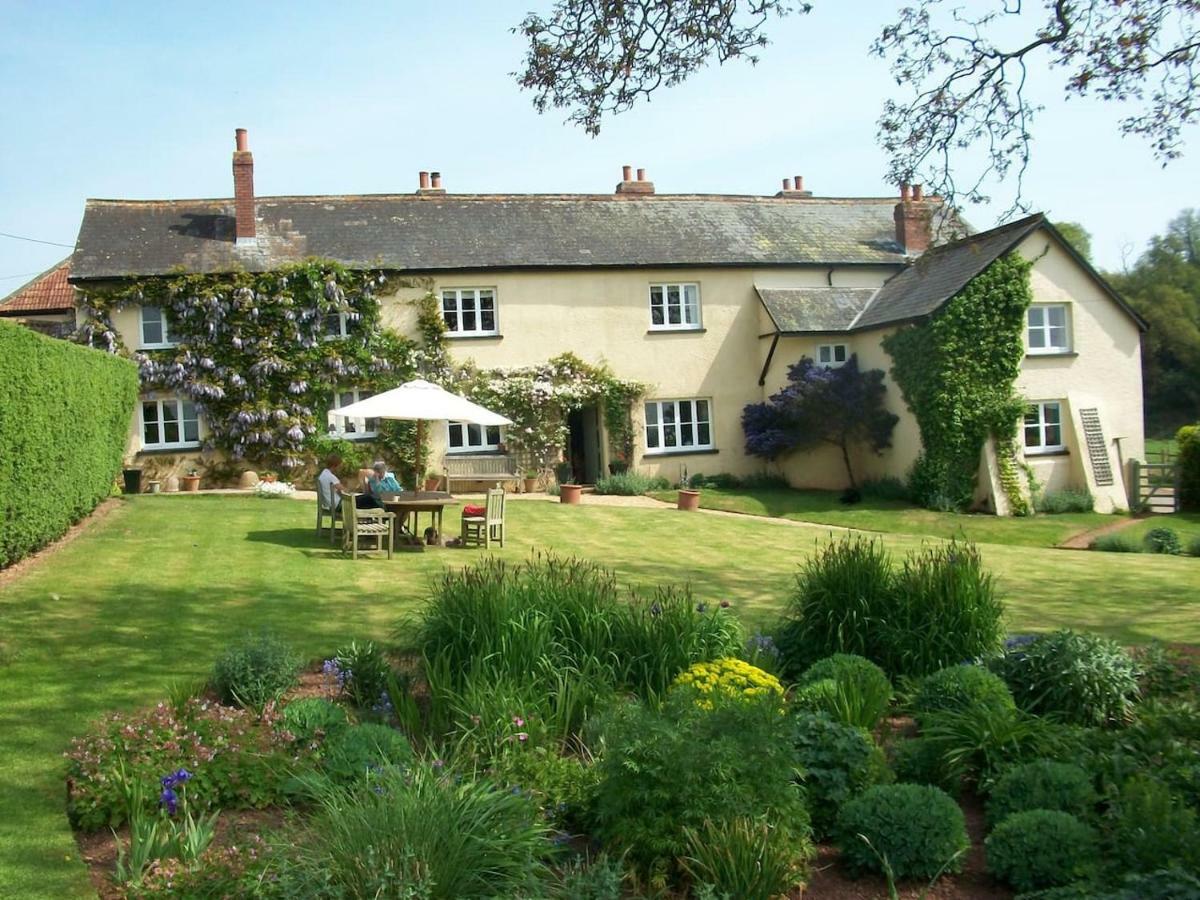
x=417, y=461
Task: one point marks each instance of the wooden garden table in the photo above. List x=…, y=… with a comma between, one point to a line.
x=417, y=502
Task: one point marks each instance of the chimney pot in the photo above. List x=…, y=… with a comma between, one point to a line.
x=904, y=191
x=799, y=181
x=641, y=174
x=787, y=184
x=423, y=180
x=918, y=192
x=436, y=178
x=627, y=173
x=244, y=227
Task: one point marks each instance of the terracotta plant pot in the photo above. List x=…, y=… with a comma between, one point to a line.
x=248, y=480
x=689, y=500
x=191, y=482
x=171, y=484
x=569, y=493
x=433, y=482
x=531, y=485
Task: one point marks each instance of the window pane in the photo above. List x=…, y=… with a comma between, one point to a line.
x=456, y=434
x=152, y=326
x=493, y=435
x=468, y=314
x=674, y=316
x=656, y=315
x=1032, y=415
x=1037, y=316
x=191, y=430
x=1056, y=316
x=170, y=432
x=1052, y=413
x=701, y=410
x=450, y=310
x=1037, y=339
x=668, y=413
x=1033, y=436
x=669, y=436
x=651, y=437
x=1053, y=435
x=333, y=324
x=487, y=311
x=824, y=353
x=839, y=353
x=703, y=437
x=691, y=304
x=651, y=413
x=150, y=423
x=1058, y=336
x=687, y=434
x=474, y=436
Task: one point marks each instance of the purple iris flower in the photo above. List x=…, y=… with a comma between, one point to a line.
x=170, y=800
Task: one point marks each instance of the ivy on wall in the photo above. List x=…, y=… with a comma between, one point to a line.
x=253, y=352
x=540, y=398
x=957, y=371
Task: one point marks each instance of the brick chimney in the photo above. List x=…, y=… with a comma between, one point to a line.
x=629, y=186
x=794, y=189
x=914, y=220
x=430, y=184
x=245, y=229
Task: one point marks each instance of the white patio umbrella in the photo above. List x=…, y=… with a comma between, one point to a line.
x=418, y=401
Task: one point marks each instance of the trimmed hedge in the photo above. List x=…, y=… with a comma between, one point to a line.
x=64, y=421
x=1188, y=441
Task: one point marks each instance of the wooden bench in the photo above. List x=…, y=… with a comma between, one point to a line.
x=486, y=467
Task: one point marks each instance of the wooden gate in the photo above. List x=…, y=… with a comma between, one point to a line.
x=1155, y=487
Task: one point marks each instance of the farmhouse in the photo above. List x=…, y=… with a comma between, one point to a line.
x=705, y=299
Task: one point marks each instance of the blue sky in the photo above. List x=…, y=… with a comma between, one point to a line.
x=140, y=100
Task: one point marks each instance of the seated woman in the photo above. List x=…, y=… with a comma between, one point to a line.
x=381, y=482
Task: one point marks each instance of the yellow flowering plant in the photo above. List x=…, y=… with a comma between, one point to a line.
x=728, y=679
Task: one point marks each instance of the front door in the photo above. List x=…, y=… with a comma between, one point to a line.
x=584, y=444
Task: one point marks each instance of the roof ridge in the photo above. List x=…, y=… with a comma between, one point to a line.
x=426, y=198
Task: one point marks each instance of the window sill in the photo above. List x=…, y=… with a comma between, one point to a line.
x=1038, y=454
x=158, y=347
x=653, y=454
x=475, y=451
x=174, y=448
x=653, y=330
x=451, y=336
x=1053, y=354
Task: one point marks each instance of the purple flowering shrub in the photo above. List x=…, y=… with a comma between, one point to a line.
x=233, y=759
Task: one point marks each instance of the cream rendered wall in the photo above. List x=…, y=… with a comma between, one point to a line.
x=1105, y=363
x=603, y=316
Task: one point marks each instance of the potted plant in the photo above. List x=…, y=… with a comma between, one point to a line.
x=191, y=481
x=269, y=477
x=531, y=481
x=567, y=492
x=432, y=480
x=689, y=496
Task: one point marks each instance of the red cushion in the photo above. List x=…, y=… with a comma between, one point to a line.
x=474, y=511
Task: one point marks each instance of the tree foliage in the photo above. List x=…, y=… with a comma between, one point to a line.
x=838, y=406
x=1077, y=236
x=965, y=71
x=1164, y=287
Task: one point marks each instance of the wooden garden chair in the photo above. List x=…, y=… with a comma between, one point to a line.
x=482, y=530
x=333, y=512
x=366, y=523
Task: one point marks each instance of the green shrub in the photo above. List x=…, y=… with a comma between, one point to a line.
x=631, y=484
x=938, y=609
x=310, y=718
x=562, y=786
x=837, y=761
x=1115, y=543
x=918, y=761
x=419, y=834
x=916, y=829
x=255, y=671
x=957, y=688
x=1081, y=678
x=747, y=859
x=1065, y=501
x=363, y=673
x=861, y=691
x=721, y=481
x=1149, y=829
x=1165, y=671
x=1165, y=884
x=1193, y=547
x=666, y=770
x=237, y=761
x=51, y=476
x=602, y=878
x=354, y=753
x=1163, y=540
x=979, y=742
x=1041, y=784
x=1188, y=441
x=887, y=488
x=533, y=621
x=1042, y=848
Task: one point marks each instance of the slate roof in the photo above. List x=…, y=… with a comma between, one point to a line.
x=816, y=309
x=456, y=231
x=48, y=293
x=940, y=273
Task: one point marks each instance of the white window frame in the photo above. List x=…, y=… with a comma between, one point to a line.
x=832, y=362
x=344, y=329
x=657, y=425
x=163, y=323
x=456, y=297
x=1041, y=425
x=371, y=426
x=686, y=305
x=160, y=423
x=1046, y=329
x=463, y=429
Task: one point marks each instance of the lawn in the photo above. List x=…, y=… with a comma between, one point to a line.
x=897, y=516
x=154, y=591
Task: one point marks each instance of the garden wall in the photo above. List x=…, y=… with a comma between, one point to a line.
x=64, y=418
